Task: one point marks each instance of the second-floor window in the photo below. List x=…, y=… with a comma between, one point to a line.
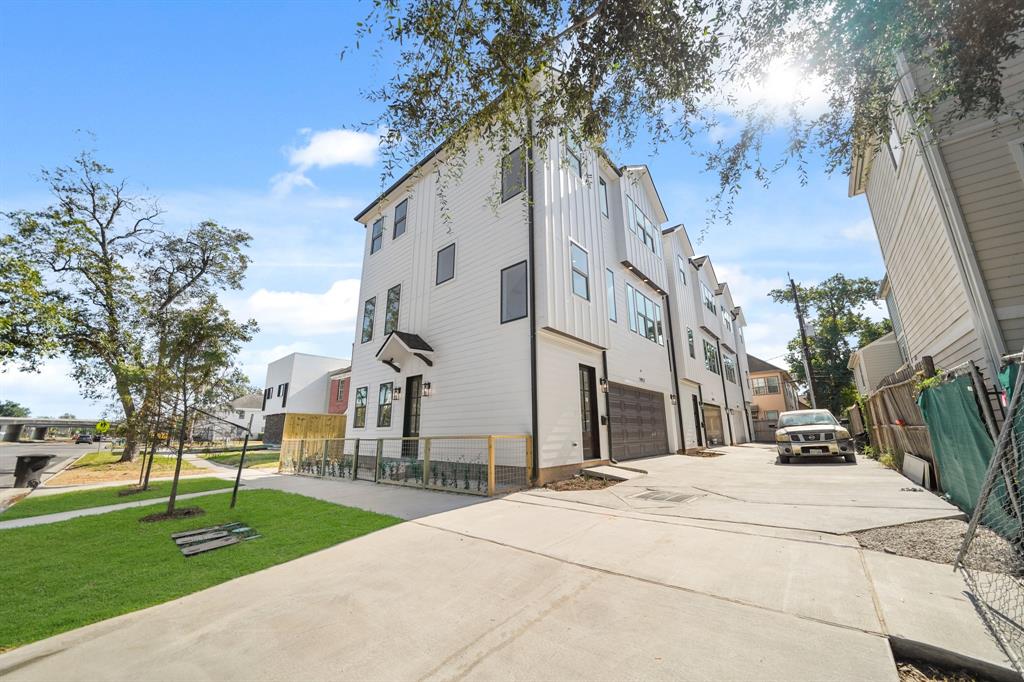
x=642, y=226
x=580, y=271
x=729, y=366
x=707, y=298
x=377, y=239
x=648, y=316
x=267, y=395
x=689, y=342
x=369, y=308
x=573, y=159
x=391, y=309
x=445, y=264
x=359, y=416
x=513, y=292
x=609, y=283
x=513, y=174
x=401, y=213
x=681, y=265
x=764, y=385
x=384, y=405
x=341, y=389
x=284, y=395
x=602, y=196
x=727, y=320
x=711, y=358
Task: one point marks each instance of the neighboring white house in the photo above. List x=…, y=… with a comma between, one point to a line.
x=232, y=420
x=875, y=361
x=497, y=303
x=949, y=214
x=296, y=384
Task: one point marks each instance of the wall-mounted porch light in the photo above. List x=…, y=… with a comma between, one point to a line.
x=396, y=393
x=604, y=385
x=426, y=389
x=675, y=399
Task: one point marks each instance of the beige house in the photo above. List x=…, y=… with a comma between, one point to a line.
x=871, y=363
x=772, y=391
x=949, y=214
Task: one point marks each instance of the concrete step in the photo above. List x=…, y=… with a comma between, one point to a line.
x=611, y=473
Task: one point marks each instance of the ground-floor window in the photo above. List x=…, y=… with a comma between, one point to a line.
x=384, y=405
x=359, y=417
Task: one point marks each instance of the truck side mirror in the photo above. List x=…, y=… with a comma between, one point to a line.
x=771, y=426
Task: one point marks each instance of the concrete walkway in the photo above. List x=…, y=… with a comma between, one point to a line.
x=540, y=586
x=93, y=511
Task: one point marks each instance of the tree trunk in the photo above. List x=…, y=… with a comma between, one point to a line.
x=177, y=465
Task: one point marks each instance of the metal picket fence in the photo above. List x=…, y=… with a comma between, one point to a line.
x=475, y=465
x=991, y=557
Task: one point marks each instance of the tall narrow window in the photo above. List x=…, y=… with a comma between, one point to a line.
x=445, y=264
x=602, y=196
x=580, y=271
x=359, y=418
x=401, y=212
x=609, y=283
x=630, y=215
x=681, y=265
x=572, y=158
x=513, y=292
x=378, y=235
x=368, y=312
x=391, y=310
x=513, y=174
x=689, y=342
x=631, y=307
x=657, y=323
x=341, y=389
x=284, y=397
x=384, y=405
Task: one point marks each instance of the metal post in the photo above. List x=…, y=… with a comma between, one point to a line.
x=323, y=461
x=378, y=459
x=241, y=464
x=529, y=460
x=981, y=394
x=490, y=465
x=355, y=461
x=426, y=462
x=803, y=344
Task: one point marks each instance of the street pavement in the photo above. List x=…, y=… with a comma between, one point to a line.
x=539, y=586
x=66, y=453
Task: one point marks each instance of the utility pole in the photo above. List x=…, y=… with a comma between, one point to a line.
x=805, y=351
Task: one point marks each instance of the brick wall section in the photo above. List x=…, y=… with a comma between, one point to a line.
x=334, y=405
x=273, y=428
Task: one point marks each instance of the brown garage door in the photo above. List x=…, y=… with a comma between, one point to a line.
x=638, y=425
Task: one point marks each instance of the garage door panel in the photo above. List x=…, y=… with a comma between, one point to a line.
x=638, y=422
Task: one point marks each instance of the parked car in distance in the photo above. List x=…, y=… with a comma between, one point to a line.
x=816, y=433
x=83, y=439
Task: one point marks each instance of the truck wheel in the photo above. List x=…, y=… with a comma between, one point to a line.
x=783, y=459
x=851, y=458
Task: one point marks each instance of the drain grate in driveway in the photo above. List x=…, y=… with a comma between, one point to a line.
x=664, y=496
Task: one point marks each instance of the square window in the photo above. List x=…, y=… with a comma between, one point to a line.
x=580, y=271
x=513, y=292
x=513, y=174
x=445, y=264
x=378, y=235
x=369, y=308
x=602, y=196
x=401, y=213
x=391, y=309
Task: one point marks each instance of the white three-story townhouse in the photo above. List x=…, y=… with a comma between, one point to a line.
x=501, y=301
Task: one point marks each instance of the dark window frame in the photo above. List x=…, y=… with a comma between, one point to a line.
x=602, y=196
x=341, y=390
x=526, y=293
x=359, y=418
x=690, y=342
x=363, y=336
x=384, y=416
x=437, y=265
x=402, y=222
x=510, y=191
x=575, y=158
x=377, y=235
x=284, y=396
x=609, y=285
x=573, y=270
x=389, y=324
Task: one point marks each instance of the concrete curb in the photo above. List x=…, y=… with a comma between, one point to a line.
x=946, y=658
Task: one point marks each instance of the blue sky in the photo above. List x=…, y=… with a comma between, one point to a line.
x=244, y=113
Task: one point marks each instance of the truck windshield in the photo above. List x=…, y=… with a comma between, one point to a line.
x=807, y=419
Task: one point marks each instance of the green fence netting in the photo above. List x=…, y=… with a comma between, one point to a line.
x=960, y=442
x=1007, y=378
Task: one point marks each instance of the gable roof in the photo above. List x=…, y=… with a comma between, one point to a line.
x=756, y=364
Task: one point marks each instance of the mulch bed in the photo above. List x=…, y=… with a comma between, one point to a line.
x=939, y=541
x=183, y=513
x=916, y=671
x=134, y=490
x=580, y=483
x=703, y=453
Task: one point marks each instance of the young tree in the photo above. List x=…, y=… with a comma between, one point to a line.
x=111, y=273
x=202, y=343
x=836, y=315
x=675, y=68
x=9, y=408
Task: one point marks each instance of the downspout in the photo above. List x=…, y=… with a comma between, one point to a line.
x=702, y=432
x=747, y=425
x=535, y=464
x=725, y=392
x=607, y=405
x=675, y=373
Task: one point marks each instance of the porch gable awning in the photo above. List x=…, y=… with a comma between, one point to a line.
x=399, y=347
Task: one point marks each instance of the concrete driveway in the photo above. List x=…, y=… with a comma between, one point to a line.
x=536, y=586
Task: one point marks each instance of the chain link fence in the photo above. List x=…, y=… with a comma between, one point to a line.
x=476, y=465
x=991, y=557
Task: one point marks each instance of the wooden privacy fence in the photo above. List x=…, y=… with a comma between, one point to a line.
x=895, y=421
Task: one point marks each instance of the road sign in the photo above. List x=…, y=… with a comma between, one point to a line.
x=102, y=426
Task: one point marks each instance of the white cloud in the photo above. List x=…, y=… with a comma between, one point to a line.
x=862, y=231
x=324, y=149
x=50, y=392
x=300, y=313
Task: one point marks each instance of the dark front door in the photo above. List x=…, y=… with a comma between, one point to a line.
x=697, y=421
x=411, y=418
x=588, y=414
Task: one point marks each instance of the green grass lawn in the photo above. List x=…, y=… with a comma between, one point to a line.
x=61, y=576
x=37, y=505
x=258, y=459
